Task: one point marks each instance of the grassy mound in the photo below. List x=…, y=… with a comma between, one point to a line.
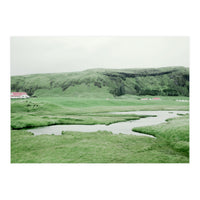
x=175, y=133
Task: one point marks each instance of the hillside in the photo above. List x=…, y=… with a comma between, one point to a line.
x=166, y=81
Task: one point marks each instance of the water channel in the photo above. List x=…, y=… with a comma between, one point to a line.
x=115, y=128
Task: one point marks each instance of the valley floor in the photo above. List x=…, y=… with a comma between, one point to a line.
x=170, y=146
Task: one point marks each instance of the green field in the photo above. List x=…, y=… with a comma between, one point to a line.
x=170, y=146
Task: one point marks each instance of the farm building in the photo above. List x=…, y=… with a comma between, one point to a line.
x=19, y=95
x=156, y=98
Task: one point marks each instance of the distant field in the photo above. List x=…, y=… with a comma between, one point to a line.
x=62, y=110
x=102, y=147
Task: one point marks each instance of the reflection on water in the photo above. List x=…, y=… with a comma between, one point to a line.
x=116, y=128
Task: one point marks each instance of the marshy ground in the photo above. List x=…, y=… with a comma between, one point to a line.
x=170, y=146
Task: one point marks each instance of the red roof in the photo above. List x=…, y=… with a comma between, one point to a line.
x=18, y=94
x=156, y=98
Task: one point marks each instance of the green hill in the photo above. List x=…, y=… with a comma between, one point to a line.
x=166, y=81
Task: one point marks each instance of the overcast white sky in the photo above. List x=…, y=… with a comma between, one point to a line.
x=30, y=55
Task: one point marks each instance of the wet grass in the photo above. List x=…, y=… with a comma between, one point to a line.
x=62, y=110
x=30, y=121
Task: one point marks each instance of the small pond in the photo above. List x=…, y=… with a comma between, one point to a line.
x=115, y=128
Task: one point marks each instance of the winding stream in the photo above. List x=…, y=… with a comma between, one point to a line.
x=115, y=128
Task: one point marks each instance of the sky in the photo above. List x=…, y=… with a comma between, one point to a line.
x=32, y=55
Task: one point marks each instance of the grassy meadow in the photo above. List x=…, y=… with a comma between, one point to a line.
x=170, y=146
